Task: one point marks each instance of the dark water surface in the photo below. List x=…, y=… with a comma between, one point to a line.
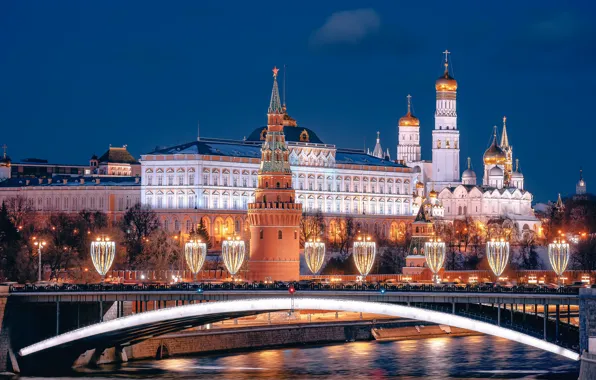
x=472, y=357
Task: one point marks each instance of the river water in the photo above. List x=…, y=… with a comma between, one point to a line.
x=472, y=357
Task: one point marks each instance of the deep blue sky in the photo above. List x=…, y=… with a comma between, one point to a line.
x=78, y=76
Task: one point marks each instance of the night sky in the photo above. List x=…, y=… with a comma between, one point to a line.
x=78, y=76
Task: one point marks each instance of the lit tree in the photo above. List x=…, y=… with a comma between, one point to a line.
x=312, y=226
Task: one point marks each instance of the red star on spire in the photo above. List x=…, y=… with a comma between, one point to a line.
x=275, y=70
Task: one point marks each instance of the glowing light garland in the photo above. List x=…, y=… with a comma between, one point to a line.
x=364, y=252
x=232, y=252
x=103, y=252
x=314, y=254
x=558, y=255
x=497, y=253
x=195, y=253
x=434, y=252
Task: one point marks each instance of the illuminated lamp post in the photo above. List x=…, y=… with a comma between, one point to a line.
x=232, y=252
x=558, y=255
x=103, y=252
x=195, y=253
x=364, y=252
x=434, y=253
x=314, y=254
x=39, y=245
x=497, y=253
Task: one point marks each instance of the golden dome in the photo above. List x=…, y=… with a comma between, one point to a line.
x=409, y=120
x=433, y=193
x=494, y=155
x=419, y=185
x=445, y=82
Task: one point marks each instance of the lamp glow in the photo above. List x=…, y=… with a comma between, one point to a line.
x=232, y=252
x=364, y=252
x=195, y=253
x=558, y=255
x=314, y=254
x=434, y=253
x=497, y=253
x=103, y=252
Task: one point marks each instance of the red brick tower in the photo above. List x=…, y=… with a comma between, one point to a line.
x=274, y=217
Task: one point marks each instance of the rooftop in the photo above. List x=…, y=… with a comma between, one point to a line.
x=117, y=155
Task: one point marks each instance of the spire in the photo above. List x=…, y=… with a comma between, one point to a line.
x=378, y=151
x=284, y=88
x=275, y=104
x=559, y=205
x=409, y=104
x=469, y=163
x=504, y=138
x=517, y=165
x=581, y=170
x=494, y=135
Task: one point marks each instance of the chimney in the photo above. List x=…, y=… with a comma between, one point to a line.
x=82, y=180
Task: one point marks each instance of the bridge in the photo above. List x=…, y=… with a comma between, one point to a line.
x=525, y=315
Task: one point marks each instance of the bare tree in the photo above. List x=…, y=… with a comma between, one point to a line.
x=312, y=226
x=160, y=253
x=344, y=236
x=19, y=210
x=137, y=224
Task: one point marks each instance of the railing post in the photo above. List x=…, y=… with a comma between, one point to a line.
x=511, y=314
x=524, y=314
x=452, y=307
x=57, y=317
x=545, y=318
x=568, y=313
x=499, y=314
x=557, y=323
x=100, y=309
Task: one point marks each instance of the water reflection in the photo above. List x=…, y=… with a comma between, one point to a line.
x=473, y=357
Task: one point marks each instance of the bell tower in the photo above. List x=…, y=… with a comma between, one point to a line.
x=274, y=217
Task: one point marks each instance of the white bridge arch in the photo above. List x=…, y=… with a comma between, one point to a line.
x=197, y=314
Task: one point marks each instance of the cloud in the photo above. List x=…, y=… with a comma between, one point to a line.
x=347, y=27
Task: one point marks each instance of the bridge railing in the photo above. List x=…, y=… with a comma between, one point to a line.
x=362, y=287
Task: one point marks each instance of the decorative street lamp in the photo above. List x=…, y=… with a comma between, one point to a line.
x=195, y=252
x=103, y=252
x=364, y=252
x=558, y=255
x=233, y=252
x=497, y=253
x=434, y=252
x=39, y=245
x=314, y=254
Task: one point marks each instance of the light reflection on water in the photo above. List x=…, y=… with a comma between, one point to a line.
x=473, y=357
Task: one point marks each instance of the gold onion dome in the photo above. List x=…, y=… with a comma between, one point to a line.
x=409, y=120
x=419, y=185
x=494, y=155
x=445, y=82
x=433, y=193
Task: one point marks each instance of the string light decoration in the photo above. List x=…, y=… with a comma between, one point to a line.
x=364, y=252
x=232, y=252
x=314, y=254
x=103, y=252
x=497, y=253
x=434, y=253
x=195, y=252
x=558, y=255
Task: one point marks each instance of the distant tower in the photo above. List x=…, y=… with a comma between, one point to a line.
x=517, y=178
x=5, y=164
x=508, y=150
x=445, y=163
x=94, y=164
x=378, y=151
x=408, y=147
x=274, y=217
x=468, y=177
x=559, y=206
x=580, y=188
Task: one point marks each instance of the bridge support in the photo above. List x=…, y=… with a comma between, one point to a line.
x=557, y=323
x=499, y=314
x=57, y=317
x=545, y=306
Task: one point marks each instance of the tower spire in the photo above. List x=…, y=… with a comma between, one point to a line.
x=517, y=165
x=469, y=163
x=284, y=88
x=409, y=104
x=275, y=104
x=378, y=151
x=446, y=52
x=504, y=137
x=494, y=135
x=581, y=170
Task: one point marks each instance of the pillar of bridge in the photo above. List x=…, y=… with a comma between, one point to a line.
x=587, y=333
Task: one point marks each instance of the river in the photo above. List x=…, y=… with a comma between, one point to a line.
x=472, y=357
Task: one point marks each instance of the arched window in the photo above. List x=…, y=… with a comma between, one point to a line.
x=459, y=210
x=465, y=210
x=260, y=234
x=277, y=185
x=279, y=235
x=438, y=143
x=417, y=230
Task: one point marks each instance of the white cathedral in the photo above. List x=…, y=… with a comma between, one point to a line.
x=439, y=186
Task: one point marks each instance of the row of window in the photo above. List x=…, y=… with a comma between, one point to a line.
x=66, y=203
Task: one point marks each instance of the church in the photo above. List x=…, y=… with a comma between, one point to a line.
x=439, y=187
